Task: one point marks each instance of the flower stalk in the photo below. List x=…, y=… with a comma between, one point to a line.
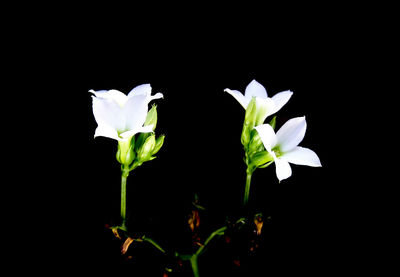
x=247, y=187
x=195, y=265
x=124, y=177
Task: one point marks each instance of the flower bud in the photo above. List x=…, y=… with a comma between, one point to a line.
x=159, y=144
x=249, y=122
x=146, y=149
x=151, y=118
x=256, y=144
x=126, y=154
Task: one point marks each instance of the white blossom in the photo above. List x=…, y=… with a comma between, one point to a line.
x=283, y=146
x=121, y=116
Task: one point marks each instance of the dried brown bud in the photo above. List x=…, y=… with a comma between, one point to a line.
x=258, y=221
x=194, y=220
x=126, y=244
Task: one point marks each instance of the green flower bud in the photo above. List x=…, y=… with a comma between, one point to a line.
x=159, y=144
x=125, y=153
x=249, y=122
x=146, y=149
x=151, y=118
x=256, y=144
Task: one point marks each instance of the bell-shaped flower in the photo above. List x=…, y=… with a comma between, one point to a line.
x=265, y=106
x=121, y=116
x=283, y=146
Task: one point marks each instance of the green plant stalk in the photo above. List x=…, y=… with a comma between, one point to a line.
x=219, y=232
x=124, y=177
x=249, y=173
x=155, y=244
x=195, y=266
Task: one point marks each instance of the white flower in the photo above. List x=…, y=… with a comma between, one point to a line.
x=283, y=146
x=121, y=116
x=265, y=105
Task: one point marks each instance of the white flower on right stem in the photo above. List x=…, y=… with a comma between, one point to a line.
x=265, y=106
x=283, y=146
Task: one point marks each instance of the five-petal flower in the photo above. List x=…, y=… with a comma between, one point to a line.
x=121, y=116
x=283, y=146
x=265, y=105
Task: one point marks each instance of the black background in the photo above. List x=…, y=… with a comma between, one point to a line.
x=191, y=59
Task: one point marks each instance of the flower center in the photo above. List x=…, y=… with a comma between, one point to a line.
x=277, y=151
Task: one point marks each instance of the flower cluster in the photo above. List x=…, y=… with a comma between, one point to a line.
x=121, y=117
x=262, y=146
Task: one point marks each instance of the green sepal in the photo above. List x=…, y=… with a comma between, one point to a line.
x=273, y=122
x=260, y=159
x=266, y=165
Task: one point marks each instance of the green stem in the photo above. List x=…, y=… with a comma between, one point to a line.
x=219, y=232
x=155, y=244
x=249, y=173
x=195, y=266
x=124, y=176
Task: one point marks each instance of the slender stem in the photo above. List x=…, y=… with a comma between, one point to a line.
x=220, y=232
x=155, y=244
x=249, y=173
x=195, y=266
x=124, y=176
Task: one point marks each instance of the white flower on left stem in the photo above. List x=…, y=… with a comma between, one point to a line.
x=121, y=116
x=283, y=146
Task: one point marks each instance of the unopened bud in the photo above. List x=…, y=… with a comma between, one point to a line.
x=146, y=149
x=125, y=153
x=249, y=122
x=256, y=144
x=159, y=144
x=151, y=118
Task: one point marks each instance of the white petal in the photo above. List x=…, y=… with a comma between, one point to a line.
x=158, y=95
x=283, y=169
x=239, y=97
x=107, y=112
x=281, y=98
x=112, y=94
x=267, y=136
x=130, y=133
x=106, y=131
x=302, y=156
x=135, y=111
x=264, y=108
x=255, y=89
x=291, y=133
x=140, y=90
